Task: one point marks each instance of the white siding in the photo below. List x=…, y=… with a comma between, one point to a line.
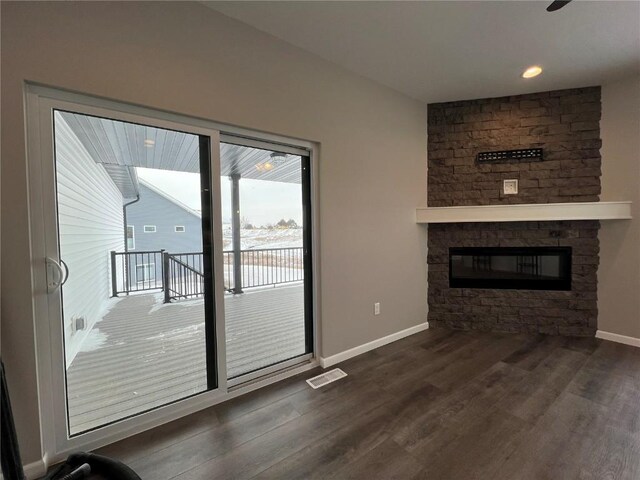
x=90, y=226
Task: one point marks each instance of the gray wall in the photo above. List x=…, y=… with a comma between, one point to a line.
x=154, y=209
x=619, y=273
x=186, y=58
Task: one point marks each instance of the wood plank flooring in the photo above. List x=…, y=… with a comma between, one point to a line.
x=437, y=405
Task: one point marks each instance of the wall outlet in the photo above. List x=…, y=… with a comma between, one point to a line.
x=376, y=308
x=510, y=186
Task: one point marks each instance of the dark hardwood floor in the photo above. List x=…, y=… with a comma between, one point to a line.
x=437, y=405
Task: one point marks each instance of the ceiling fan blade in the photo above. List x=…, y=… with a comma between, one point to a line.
x=557, y=5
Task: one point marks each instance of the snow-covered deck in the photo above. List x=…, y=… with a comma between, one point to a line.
x=144, y=353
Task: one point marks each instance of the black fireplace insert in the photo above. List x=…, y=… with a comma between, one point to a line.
x=525, y=268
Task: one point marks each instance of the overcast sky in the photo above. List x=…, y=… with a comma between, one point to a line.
x=261, y=202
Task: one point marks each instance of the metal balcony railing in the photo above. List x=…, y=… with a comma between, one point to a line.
x=136, y=271
x=263, y=267
x=181, y=275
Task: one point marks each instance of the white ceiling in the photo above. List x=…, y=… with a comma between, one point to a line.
x=441, y=51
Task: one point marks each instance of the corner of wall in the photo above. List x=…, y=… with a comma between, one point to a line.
x=619, y=275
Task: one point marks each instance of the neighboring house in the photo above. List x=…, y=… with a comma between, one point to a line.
x=157, y=222
x=160, y=222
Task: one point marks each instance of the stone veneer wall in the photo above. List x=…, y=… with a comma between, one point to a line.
x=572, y=312
x=565, y=124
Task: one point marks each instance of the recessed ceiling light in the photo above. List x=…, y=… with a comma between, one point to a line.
x=531, y=72
x=264, y=167
x=149, y=143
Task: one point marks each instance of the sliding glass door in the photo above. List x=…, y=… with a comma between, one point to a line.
x=134, y=236
x=266, y=247
x=168, y=266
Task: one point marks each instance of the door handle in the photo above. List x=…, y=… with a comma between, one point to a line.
x=66, y=272
x=55, y=275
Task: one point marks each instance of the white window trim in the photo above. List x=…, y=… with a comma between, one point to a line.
x=133, y=237
x=175, y=229
x=144, y=229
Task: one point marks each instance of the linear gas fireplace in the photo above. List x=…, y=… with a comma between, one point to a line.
x=535, y=268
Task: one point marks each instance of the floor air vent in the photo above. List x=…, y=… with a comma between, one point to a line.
x=326, y=377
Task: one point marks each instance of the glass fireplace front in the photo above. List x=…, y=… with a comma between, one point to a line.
x=526, y=268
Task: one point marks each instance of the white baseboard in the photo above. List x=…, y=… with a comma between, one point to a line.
x=359, y=350
x=614, y=337
x=35, y=470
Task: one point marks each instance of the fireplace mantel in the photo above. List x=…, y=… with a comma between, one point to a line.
x=526, y=212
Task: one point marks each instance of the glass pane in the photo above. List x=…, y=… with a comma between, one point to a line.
x=133, y=303
x=511, y=267
x=263, y=236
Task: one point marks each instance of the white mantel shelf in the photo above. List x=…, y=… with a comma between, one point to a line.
x=526, y=212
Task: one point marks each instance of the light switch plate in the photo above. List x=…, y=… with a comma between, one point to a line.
x=510, y=186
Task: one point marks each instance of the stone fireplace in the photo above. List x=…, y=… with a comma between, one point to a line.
x=565, y=125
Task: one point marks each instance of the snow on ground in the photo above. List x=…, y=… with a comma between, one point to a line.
x=251, y=239
x=257, y=275
x=256, y=238
x=159, y=302
x=89, y=339
x=94, y=340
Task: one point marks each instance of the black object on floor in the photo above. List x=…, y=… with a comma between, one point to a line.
x=11, y=461
x=105, y=467
x=83, y=471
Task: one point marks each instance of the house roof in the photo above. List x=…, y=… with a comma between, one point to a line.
x=120, y=146
x=125, y=178
x=168, y=197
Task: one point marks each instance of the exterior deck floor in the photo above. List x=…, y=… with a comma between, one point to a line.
x=144, y=354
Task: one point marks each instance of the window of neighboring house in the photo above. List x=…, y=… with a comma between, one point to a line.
x=145, y=272
x=131, y=240
x=179, y=228
x=149, y=229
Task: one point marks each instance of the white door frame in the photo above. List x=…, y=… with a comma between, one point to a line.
x=40, y=101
